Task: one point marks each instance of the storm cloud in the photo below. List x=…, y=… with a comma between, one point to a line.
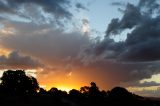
x=141, y=43
x=137, y=57
x=55, y=7
x=17, y=61
x=123, y=62
x=131, y=17
x=146, y=84
x=49, y=44
x=35, y=32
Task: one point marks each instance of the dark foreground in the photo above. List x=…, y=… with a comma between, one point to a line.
x=17, y=89
x=59, y=98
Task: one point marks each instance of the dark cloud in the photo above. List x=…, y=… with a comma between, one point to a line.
x=121, y=72
x=149, y=92
x=4, y=8
x=151, y=6
x=117, y=4
x=139, y=84
x=56, y=7
x=147, y=84
x=136, y=57
x=131, y=17
x=16, y=61
x=143, y=39
x=45, y=42
x=85, y=21
x=134, y=15
x=81, y=6
x=131, y=60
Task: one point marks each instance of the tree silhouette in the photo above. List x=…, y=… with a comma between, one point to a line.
x=74, y=93
x=42, y=92
x=120, y=93
x=84, y=89
x=18, y=83
x=93, y=90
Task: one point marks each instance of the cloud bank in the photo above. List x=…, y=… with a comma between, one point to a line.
x=16, y=61
x=137, y=56
x=115, y=62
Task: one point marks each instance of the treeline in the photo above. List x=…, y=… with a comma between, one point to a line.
x=18, y=89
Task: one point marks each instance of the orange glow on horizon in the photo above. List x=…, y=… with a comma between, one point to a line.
x=4, y=52
x=62, y=80
x=68, y=80
x=64, y=87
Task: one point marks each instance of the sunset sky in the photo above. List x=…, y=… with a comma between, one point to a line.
x=70, y=43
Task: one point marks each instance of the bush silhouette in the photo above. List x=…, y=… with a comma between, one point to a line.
x=18, y=83
x=84, y=89
x=74, y=93
x=120, y=93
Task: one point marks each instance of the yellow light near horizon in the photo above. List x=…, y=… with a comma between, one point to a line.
x=61, y=80
x=61, y=87
x=64, y=88
x=155, y=78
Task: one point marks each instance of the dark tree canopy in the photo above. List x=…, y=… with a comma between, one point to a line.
x=18, y=83
x=84, y=89
x=120, y=92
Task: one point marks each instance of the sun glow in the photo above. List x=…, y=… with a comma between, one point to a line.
x=3, y=51
x=64, y=88
x=85, y=28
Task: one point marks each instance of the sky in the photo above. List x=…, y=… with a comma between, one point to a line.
x=70, y=43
